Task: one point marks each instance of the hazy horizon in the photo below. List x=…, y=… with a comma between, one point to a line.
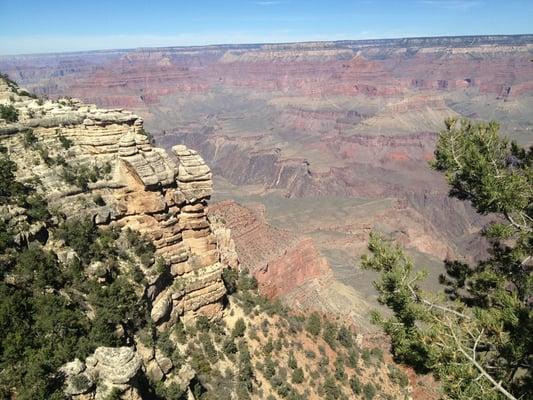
x=36, y=27
x=103, y=50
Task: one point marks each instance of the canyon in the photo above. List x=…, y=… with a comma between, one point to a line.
x=118, y=282
x=314, y=145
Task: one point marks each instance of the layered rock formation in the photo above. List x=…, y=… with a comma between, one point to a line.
x=99, y=164
x=110, y=367
x=280, y=260
x=290, y=266
x=372, y=67
x=329, y=123
x=143, y=189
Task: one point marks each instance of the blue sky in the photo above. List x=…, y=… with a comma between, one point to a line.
x=28, y=26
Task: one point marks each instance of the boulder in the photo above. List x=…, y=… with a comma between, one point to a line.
x=161, y=307
x=163, y=361
x=77, y=381
x=146, y=353
x=154, y=372
x=116, y=365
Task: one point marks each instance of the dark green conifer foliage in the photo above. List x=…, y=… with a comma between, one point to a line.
x=313, y=325
x=42, y=316
x=239, y=328
x=9, y=113
x=477, y=337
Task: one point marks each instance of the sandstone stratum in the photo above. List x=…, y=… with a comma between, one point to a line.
x=133, y=186
x=137, y=186
x=151, y=301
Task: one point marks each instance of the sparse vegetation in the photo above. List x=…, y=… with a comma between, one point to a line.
x=65, y=142
x=369, y=391
x=355, y=385
x=297, y=376
x=82, y=175
x=142, y=246
x=397, y=376
x=28, y=138
x=330, y=334
x=9, y=113
x=239, y=328
x=344, y=336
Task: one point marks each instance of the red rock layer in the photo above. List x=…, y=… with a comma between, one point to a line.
x=280, y=260
x=139, y=78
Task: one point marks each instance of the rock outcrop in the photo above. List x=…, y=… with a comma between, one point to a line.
x=143, y=189
x=280, y=260
x=108, y=369
x=99, y=164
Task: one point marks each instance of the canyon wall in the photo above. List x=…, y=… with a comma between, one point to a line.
x=332, y=138
x=279, y=259
x=137, y=78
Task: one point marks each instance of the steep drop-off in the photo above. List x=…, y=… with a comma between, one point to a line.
x=333, y=138
x=117, y=285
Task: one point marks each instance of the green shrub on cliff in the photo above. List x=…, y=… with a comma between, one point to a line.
x=297, y=376
x=9, y=113
x=369, y=391
x=245, y=371
x=28, y=138
x=314, y=323
x=142, y=246
x=42, y=329
x=8, y=185
x=66, y=143
x=330, y=333
x=239, y=328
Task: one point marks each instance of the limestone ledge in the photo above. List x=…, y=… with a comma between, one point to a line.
x=145, y=190
x=139, y=187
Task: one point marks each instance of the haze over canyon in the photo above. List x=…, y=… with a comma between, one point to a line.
x=313, y=145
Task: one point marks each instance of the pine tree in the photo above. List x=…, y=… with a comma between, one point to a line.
x=477, y=336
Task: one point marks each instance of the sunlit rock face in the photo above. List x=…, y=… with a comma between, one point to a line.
x=145, y=189
x=132, y=185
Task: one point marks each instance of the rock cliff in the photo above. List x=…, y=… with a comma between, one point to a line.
x=99, y=164
x=280, y=260
x=143, y=188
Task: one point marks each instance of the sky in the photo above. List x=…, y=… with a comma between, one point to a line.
x=42, y=26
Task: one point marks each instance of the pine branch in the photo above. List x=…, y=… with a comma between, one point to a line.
x=497, y=385
x=433, y=305
x=516, y=224
x=452, y=142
